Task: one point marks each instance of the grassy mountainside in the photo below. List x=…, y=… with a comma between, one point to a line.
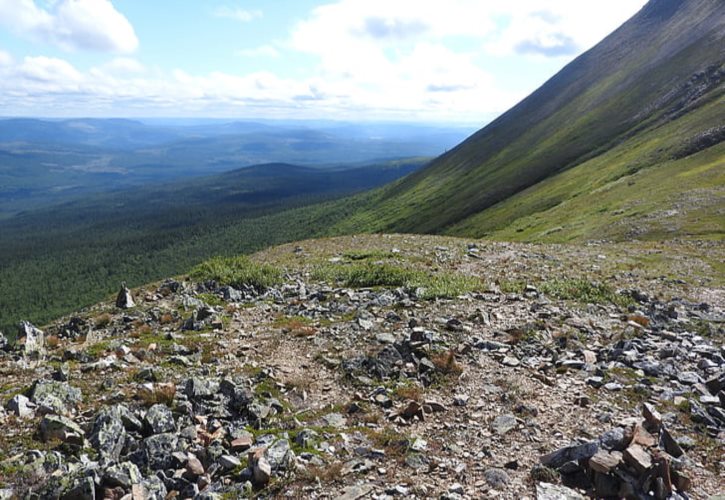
x=644, y=105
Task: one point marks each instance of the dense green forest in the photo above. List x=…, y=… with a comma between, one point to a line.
x=58, y=260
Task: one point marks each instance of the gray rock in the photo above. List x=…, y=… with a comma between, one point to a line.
x=122, y=475
x=159, y=419
x=108, y=435
x=33, y=340
x=279, y=455
x=159, y=449
x=124, y=299
x=355, y=491
x=198, y=388
x=689, y=378
x=570, y=454
x=261, y=471
x=547, y=491
x=385, y=338
x=496, y=478
x=614, y=439
x=57, y=397
x=306, y=438
x=130, y=422
x=54, y=427
x=154, y=489
x=18, y=405
x=613, y=386
x=3, y=347
x=229, y=462
x=83, y=489
x=504, y=423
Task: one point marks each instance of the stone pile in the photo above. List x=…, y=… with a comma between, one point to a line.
x=640, y=459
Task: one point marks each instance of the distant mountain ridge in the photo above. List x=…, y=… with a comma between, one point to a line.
x=649, y=94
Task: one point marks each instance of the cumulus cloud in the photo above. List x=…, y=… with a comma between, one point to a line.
x=261, y=51
x=237, y=14
x=369, y=58
x=71, y=24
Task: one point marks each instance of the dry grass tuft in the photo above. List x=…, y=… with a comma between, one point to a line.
x=445, y=362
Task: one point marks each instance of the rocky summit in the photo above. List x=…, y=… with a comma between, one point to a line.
x=382, y=367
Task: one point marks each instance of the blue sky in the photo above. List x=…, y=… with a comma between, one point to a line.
x=409, y=60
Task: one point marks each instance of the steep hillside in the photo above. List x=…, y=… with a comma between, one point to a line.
x=643, y=108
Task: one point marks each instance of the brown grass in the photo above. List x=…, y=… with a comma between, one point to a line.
x=409, y=392
x=326, y=473
x=445, y=362
x=166, y=319
x=52, y=341
x=161, y=394
x=103, y=320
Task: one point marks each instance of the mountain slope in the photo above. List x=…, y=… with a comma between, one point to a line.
x=630, y=95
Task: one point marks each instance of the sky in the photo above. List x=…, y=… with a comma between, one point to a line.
x=454, y=61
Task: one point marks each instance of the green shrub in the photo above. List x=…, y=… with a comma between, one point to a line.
x=237, y=271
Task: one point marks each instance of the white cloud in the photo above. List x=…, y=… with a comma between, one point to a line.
x=121, y=66
x=5, y=58
x=71, y=24
x=373, y=58
x=261, y=51
x=237, y=14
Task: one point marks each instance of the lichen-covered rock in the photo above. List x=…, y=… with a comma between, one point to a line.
x=108, y=435
x=122, y=475
x=159, y=449
x=54, y=427
x=159, y=419
x=55, y=397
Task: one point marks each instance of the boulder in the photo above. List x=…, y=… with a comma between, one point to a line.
x=19, y=406
x=124, y=299
x=33, y=340
x=159, y=449
x=56, y=427
x=159, y=419
x=108, y=435
x=55, y=397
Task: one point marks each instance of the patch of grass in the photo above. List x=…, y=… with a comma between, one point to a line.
x=210, y=299
x=440, y=284
x=584, y=291
x=395, y=444
x=237, y=271
x=512, y=286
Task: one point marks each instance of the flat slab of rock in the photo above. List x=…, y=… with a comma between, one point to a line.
x=637, y=457
x=570, y=454
x=61, y=428
x=504, y=423
x=547, y=491
x=356, y=491
x=604, y=461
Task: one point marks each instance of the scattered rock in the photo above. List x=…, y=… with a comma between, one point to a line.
x=504, y=423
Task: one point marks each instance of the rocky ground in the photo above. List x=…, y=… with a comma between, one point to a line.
x=384, y=367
